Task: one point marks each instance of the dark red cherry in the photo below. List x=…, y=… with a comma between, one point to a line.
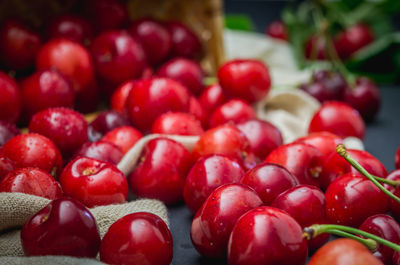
x=185, y=43
x=267, y=236
x=276, y=29
x=197, y=110
x=179, y=123
x=119, y=96
x=397, y=158
x=235, y=110
x=315, y=48
x=105, y=122
x=10, y=99
x=212, y=97
x=106, y=14
x=125, y=137
x=396, y=258
x=394, y=206
x=64, y=227
x=353, y=39
x=72, y=27
x=101, y=150
x=7, y=131
x=6, y=166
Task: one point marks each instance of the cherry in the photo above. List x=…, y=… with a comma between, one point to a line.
x=87, y=100
x=184, y=42
x=269, y=180
x=162, y=170
x=326, y=142
x=7, y=131
x=105, y=122
x=19, y=45
x=63, y=227
x=45, y=89
x=150, y=98
x=197, y=110
x=306, y=204
x=266, y=235
x=247, y=79
x=364, y=97
x=315, y=48
x=385, y=227
x=394, y=175
x=65, y=127
x=6, y=166
x=117, y=56
x=219, y=214
x=235, y=110
x=344, y=251
x=137, y=238
x=212, y=97
x=101, y=150
x=177, y=123
x=32, y=181
x=302, y=160
x=10, y=99
x=338, y=118
x=397, y=158
x=119, y=96
x=276, y=29
x=353, y=39
x=263, y=136
x=207, y=174
x=94, y=182
x=396, y=258
x=351, y=198
x=185, y=71
x=124, y=137
x=72, y=27
x=154, y=37
x=33, y=150
x=106, y=14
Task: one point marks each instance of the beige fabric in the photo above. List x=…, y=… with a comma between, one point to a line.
x=48, y=260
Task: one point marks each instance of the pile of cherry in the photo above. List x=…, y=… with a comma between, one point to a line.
x=252, y=195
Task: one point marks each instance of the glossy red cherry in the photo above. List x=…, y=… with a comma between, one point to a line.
x=34, y=150
x=306, y=204
x=198, y=111
x=94, y=182
x=106, y=14
x=137, y=238
x=10, y=99
x=162, y=170
x=185, y=43
x=385, y=227
x=124, y=137
x=155, y=39
x=263, y=136
x=185, y=71
x=219, y=214
x=117, y=56
x=338, y=118
x=6, y=166
x=64, y=227
x=315, y=48
x=302, y=160
x=267, y=236
x=276, y=29
x=245, y=78
x=101, y=150
x=207, y=174
x=269, y=180
x=19, y=45
x=350, y=199
x=105, y=122
x=177, y=123
x=119, y=96
x=212, y=97
x=32, y=181
x=397, y=158
x=7, y=131
x=150, y=98
x=65, y=127
x=325, y=142
x=353, y=39
x=235, y=110
x=72, y=27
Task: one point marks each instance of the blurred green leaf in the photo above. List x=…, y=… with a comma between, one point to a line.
x=239, y=22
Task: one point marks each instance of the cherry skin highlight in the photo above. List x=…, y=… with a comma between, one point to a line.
x=276, y=29
x=325, y=142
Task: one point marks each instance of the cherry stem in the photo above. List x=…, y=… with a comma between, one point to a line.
x=317, y=229
x=210, y=80
x=371, y=244
x=341, y=150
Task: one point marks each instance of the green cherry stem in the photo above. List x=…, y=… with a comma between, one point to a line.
x=371, y=244
x=341, y=150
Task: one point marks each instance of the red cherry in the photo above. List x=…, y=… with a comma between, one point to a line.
x=212, y=97
x=32, y=181
x=266, y=235
x=106, y=14
x=124, y=137
x=34, y=150
x=154, y=38
x=306, y=204
x=302, y=160
x=396, y=258
x=46, y=89
x=315, y=48
x=276, y=29
x=338, y=118
x=394, y=175
x=117, y=56
x=6, y=166
x=65, y=127
x=64, y=227
x=10, y=99
x=263, y=136
x=326, y=85
x=150, y=98
x=269, y=180
x=353, y=39
x=184, y=42
x=137, y=238
x=245, y=78
x=219, y=214
x=325, y=142
x=197, y=110
x=72, y=27
x=94, y=182
x=185, y=71
x=207, y=174
x=397, y=158
x=119, y=96
x=162, y=170
x=235, y=110
x=7, y=131
x=104, y=122
x=351, y=198
x=19, y=45
x=177, y=123
x=101, y=150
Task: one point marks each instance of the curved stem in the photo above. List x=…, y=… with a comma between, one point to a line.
x=371, y=244
x=392, y=183
x=341, y=150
